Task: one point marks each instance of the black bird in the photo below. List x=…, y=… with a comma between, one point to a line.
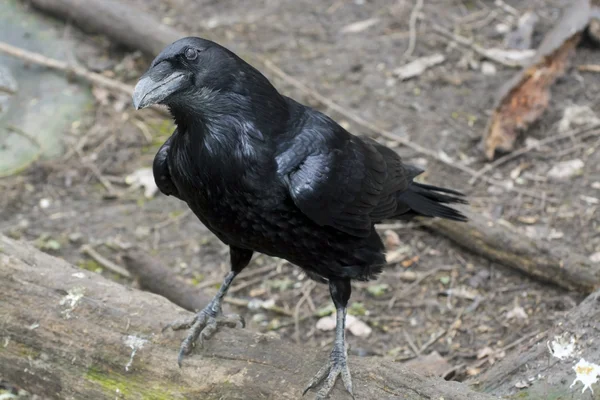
x=265, y=173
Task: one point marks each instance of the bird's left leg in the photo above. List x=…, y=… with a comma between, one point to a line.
x=338, y=360
x=206, y=322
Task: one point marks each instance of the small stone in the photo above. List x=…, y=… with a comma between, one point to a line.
x=142, y=232
x=488, y=69
x=566, y=169
x=75, y=237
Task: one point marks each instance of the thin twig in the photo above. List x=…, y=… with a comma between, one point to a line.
x=589, y=68
x=80, y=72
x=305, y=296
x=36, y=58
x=387, y=134
x=96, y=172
x=106, y=263
x=253, y=272
x=412, y=40
x=475, y=47
x=431, y=341
x=245, y=303
x=416, y=283
x=171, y=220
x=586, y=132
x=411, y=343
x=479, y=363
x=251, y=282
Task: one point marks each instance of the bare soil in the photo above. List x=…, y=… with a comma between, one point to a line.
x=445, y=109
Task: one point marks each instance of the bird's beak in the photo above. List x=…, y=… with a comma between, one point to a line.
x=156, y=85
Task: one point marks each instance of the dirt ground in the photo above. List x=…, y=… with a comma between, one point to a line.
x=435, y=296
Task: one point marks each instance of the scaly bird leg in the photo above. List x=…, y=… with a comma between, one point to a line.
x=338, y=360
x=206, y=322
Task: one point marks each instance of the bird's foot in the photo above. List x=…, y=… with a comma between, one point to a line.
x=202, y=327
x=328, y=374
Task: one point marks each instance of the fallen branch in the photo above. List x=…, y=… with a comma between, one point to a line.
x=497, y=242
x=125, y=24
x=69, y=333
x=106, y=263
x=152, y=276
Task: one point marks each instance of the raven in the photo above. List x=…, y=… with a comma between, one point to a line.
x=265, y=173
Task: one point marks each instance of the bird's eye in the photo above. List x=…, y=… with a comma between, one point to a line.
x=191, y=54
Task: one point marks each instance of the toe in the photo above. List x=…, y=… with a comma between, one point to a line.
x=319, y=376
x=328, y=384
x=345, y=372
x=208, y=331
x=180, y=324
x=231, y=321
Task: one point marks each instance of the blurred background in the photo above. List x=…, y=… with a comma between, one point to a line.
x=75, y=158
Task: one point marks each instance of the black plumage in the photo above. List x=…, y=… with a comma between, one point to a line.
x=265, y=173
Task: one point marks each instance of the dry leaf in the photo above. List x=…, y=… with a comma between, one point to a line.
x=392, y=239
x=145, y=178
x=353, y=324
x=566, y=170
x=397, y=255
x=418, y=66
x=576, y=117
x=410, y=261
x=484, y=352
x=517, y=313
x=462, y=293
x=357, y=327
x=521, y=384
x=326, y=323
x=527, y=219
x=359, y=26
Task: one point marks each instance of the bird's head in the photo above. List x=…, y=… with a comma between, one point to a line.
x=200, y=80
x=184, y=70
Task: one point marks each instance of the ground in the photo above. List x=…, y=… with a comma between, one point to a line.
x=60, y=204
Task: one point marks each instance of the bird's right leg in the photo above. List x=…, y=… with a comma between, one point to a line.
x=206, y=322
x=338, y=360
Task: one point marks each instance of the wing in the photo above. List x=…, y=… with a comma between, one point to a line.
x=340, y=180
x=160, y=170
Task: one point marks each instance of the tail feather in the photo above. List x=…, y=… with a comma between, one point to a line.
x=429, y=201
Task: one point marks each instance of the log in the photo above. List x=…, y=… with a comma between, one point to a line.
x=126, y=25
x=533, y=372
x=500, y=243
x=70, y=333
x=482, y=236
x=154, y=277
